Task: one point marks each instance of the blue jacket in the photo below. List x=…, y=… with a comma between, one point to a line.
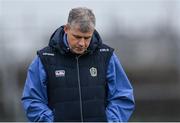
x=120, y=92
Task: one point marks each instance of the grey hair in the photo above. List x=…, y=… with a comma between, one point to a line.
x=83, y=17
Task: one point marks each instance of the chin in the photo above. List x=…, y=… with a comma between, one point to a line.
x=79, y=52
x=75, y=52
x=82, y=52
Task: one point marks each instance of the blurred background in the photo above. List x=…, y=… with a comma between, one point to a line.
x=144, y=33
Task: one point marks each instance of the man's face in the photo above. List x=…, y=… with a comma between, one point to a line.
x=77, y=40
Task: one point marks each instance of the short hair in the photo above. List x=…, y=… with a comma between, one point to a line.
x=83, y=17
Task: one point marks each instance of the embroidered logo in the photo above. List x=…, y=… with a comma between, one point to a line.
x=104, y=50
x=48, y=54
x=60, y=73
x=93, y=71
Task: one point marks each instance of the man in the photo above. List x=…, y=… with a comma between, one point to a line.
x=77, y=77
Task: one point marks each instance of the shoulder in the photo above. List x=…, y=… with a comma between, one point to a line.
x=46, y=55
x=105, y=48
x=105, y=52
x=46, y=51
x=35, y=64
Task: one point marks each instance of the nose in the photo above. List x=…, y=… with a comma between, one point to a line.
x=82, y=42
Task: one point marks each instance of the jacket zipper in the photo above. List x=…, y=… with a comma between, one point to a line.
x=79, y=85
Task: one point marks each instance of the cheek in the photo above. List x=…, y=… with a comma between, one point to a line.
x=72, y=42
x=88, y=43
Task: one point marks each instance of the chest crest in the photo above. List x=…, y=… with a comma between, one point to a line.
x=93, y=71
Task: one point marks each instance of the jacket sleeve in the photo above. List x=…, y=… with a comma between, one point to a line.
x=120, y=93
x=34, y=98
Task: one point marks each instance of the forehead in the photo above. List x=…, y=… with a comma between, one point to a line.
x=77, y=31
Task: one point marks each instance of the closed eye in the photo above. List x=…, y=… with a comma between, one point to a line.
x=78, y=37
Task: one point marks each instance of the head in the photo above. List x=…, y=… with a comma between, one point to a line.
x=79, y=29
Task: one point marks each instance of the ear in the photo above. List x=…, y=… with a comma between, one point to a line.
x=66, y=28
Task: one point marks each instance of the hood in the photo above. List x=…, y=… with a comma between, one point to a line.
x=57, y=43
